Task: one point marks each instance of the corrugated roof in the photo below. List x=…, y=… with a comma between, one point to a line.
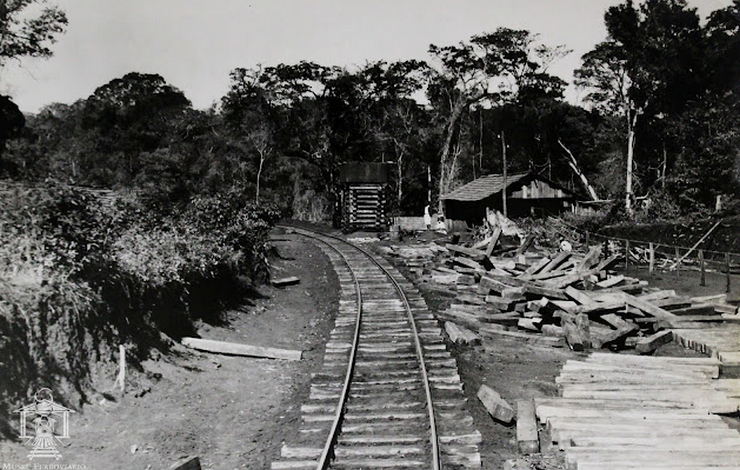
x=483, y=187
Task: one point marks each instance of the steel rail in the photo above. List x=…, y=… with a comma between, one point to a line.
x=331, y=439
x=434, y=439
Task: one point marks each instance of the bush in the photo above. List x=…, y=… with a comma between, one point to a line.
x=81, y=274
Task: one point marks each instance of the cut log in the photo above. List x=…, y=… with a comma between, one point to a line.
x=286, y=281
x=495, y=405
x=653, y=342
x=527, y=437
x=237, y=349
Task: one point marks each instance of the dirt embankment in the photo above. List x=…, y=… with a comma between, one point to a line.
x=232, y=412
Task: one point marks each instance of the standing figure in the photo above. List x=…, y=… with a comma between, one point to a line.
x=427, y=218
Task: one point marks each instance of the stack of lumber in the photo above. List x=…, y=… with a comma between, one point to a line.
x=720, y=341
x=506, y=290
x=622, y=411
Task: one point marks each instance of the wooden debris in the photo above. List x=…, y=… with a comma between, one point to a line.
x=192, y=463
x=460, y=334
x=286, y=281
x=527, y=436
x=553, y=297
x=237, y=349
x=496, y=406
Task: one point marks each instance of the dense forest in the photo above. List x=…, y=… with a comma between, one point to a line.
x=659, y=121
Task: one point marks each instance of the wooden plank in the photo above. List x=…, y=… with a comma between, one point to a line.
x=579, y=296
x=531, y=324
x=527, y=436
x=487, y=331
x=589, y=259
x=610, y=282
x=525, y=244
x=496, y=406
x=460, y=334
x=649, y=308
x=237, y=349
x=285, y=281
x=494, y=240
x=476, y=255
x=555, y=262
x=192, y=463
x=576, y=331
x=467, y=262
x=535, y=268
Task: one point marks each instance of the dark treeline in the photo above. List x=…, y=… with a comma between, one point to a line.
x=662, y=100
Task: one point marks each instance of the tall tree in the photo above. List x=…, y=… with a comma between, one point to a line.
x=494, y=67
x=26, y=31
x=649, y=68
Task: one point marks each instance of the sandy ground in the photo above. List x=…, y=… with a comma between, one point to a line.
x=232, y=412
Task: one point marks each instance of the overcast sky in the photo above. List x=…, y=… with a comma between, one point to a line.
x=194, y=44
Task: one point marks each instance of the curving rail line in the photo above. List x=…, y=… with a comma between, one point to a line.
x=375, y=420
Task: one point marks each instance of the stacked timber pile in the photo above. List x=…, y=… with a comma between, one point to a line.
x=623, y=411
x=504, y=289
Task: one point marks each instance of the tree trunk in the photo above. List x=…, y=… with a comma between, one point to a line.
x=574, y=166
x=259, y=175
x=445, y=154
x=630, y=163
x=506, y=183
x=399, y=161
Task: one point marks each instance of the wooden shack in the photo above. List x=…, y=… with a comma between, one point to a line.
x=527, y=195
x=363, y=197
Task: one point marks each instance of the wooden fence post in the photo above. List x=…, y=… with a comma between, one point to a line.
x=727, y=269
x=651, y=259
x=678, y=264
x=703, y=281
x=626, y=254
x=606, y=248
x=588, y=238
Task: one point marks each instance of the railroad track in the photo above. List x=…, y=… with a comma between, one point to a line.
x=388, y=394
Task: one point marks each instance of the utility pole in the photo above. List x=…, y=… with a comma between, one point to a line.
x=503, y=192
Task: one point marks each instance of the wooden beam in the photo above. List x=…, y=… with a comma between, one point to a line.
x=494, y=240
x=496, y=406
x=237, y=349
x=192, y=463
x=527, y=437
x=653, y=342
x=525, y=244
x=286, y=281
x=695, y=245
x=460, y=334
x=649, y=308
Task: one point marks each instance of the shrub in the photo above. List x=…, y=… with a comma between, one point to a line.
x=80, y=275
